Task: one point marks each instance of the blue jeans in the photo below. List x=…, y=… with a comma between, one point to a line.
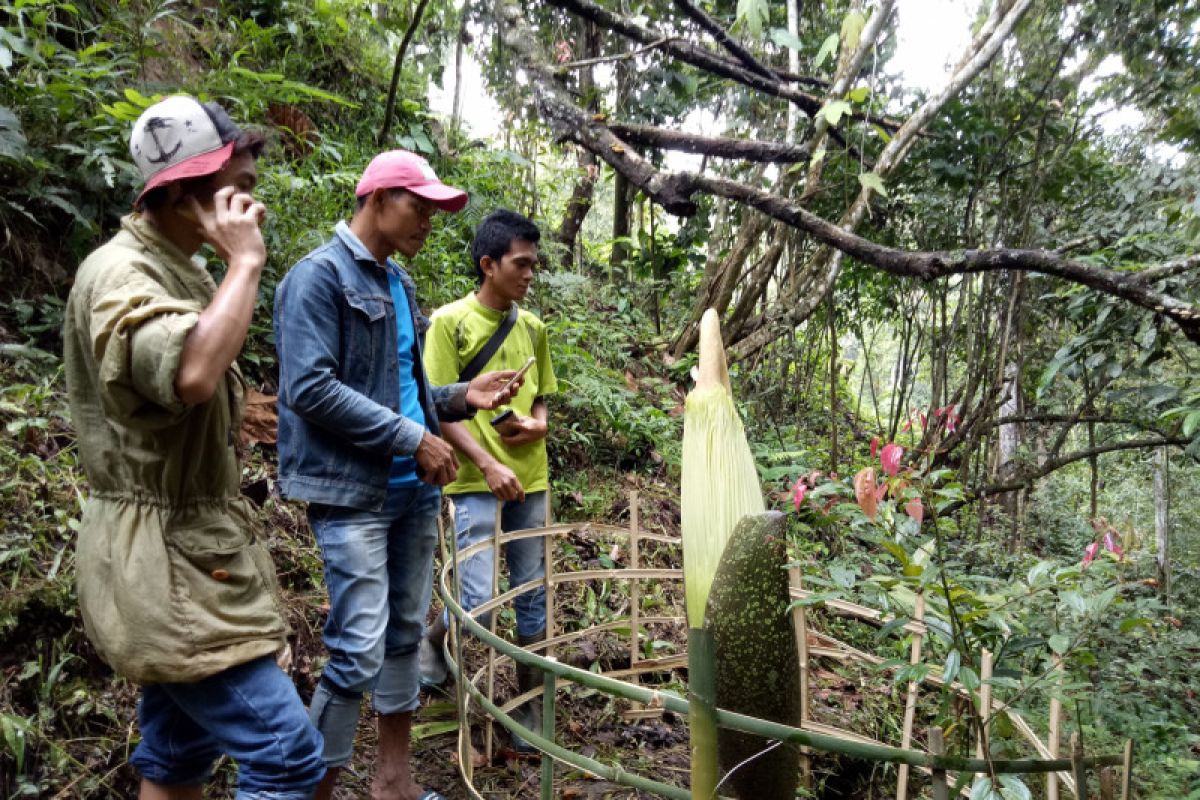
x=474, y=522
x=379, y=573
x=250, y=712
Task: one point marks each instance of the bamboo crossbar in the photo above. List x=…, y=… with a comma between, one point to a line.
x=810, y=734
x=773, y=730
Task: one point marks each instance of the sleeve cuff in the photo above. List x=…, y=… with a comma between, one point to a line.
x=408, y=439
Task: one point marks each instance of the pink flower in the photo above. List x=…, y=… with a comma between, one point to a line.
x=874, y=446
x=798, y=492
x=890, y=458
x=915, y=510
x=562, y=50
x=1089, y=555
x=1112, y=545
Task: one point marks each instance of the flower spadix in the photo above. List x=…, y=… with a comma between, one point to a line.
x=719, y=482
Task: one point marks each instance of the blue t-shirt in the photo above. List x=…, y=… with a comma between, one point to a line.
x=404, y=468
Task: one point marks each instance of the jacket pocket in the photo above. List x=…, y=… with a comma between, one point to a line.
x=364, y=337
x=222, y=582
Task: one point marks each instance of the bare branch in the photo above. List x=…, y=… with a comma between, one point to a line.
x=588, y=62
x=714, y=29
x=719, y=146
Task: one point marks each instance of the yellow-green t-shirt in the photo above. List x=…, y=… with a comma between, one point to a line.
x=458, y=332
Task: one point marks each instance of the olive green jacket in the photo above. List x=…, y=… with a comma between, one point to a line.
x=174, y=582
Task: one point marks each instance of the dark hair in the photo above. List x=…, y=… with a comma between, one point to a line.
x=250, y=142
x=496, y=233
x=360, y=201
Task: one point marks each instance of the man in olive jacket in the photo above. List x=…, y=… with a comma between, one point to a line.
x=177, y=591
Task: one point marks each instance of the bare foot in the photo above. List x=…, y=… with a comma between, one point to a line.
x=395, y=789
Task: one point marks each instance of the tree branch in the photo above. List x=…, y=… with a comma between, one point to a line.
x=719, y=146
x=1055, y=464
x=714, y=29
x=391, y=98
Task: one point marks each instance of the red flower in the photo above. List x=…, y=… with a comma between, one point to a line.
x=798, y=492
x=1112, y=545
x=890, y=458
x=874, y=446
x=1089, y=555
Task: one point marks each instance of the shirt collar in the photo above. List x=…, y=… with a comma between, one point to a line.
x=360, y=251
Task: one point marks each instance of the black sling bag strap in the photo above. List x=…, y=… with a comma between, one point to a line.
x=490, y=347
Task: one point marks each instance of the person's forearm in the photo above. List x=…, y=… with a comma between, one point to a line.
x=457, y=434
x=215, y=342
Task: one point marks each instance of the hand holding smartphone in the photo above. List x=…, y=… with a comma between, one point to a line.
x=529, y=362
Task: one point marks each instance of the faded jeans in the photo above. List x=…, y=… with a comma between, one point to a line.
x=379, y=573
x=250, y=712
x=475, y=521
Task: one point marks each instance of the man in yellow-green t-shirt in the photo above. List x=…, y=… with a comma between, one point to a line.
x=503, y=468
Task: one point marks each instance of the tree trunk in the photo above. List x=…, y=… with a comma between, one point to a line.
x=833, y=398
x=1162, y=522
x=583, y=193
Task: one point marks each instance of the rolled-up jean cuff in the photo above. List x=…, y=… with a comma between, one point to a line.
x=289, y=794
x=398, y=689
x=336, y=717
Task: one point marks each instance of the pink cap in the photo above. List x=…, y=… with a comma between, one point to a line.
x=400, y=169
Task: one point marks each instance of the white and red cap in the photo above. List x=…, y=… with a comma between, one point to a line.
x=400, y=169
x=180, y=137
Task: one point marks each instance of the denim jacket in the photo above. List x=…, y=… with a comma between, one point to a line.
x=339, y=387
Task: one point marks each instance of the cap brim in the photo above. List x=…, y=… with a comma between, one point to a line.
x=194, y=167
x=447, y=198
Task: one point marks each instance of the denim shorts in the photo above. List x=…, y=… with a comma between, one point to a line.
x=379, y=574
x=474, y=522
x=251, y=713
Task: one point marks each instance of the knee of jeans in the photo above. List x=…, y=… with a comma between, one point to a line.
x=353, y=673
x=158, y=768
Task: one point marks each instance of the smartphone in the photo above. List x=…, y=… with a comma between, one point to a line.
x=503, y=417
x=524, y=368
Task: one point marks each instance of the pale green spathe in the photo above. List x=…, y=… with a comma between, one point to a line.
x=719, y=487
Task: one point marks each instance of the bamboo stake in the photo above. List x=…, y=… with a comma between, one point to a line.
x=491, y=662
x=548, y=539
x=985, y=702
x=1055, y=734
x=635, y=586
x=548, y=732
x=800, y=621
x=910, y=700
x=1078, y=768
x=1127, y=772
x=937, y=746
x=1108, y=784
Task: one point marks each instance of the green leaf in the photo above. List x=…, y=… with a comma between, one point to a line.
x=873, y=182
x=785, y=38
x=1191, y=423
x=828, y=47
x=1128, y=625
x=859, y=94
x=13, y=144
x=852, y=27
x=833, y=111
x=754, y=14
x=1059, y=643
x=1013, y=788
x=950, y=670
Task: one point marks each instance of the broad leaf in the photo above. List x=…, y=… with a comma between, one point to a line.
x=755, y=14
x=833, y=111
x=828, y=47
x=785, y=38
x=872, y=181
x=852, y=27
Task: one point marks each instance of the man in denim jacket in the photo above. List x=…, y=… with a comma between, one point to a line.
x=359, y=440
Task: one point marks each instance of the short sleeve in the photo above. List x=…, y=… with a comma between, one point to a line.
x=547, y=383
x=441, y=350
x=137, y=331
